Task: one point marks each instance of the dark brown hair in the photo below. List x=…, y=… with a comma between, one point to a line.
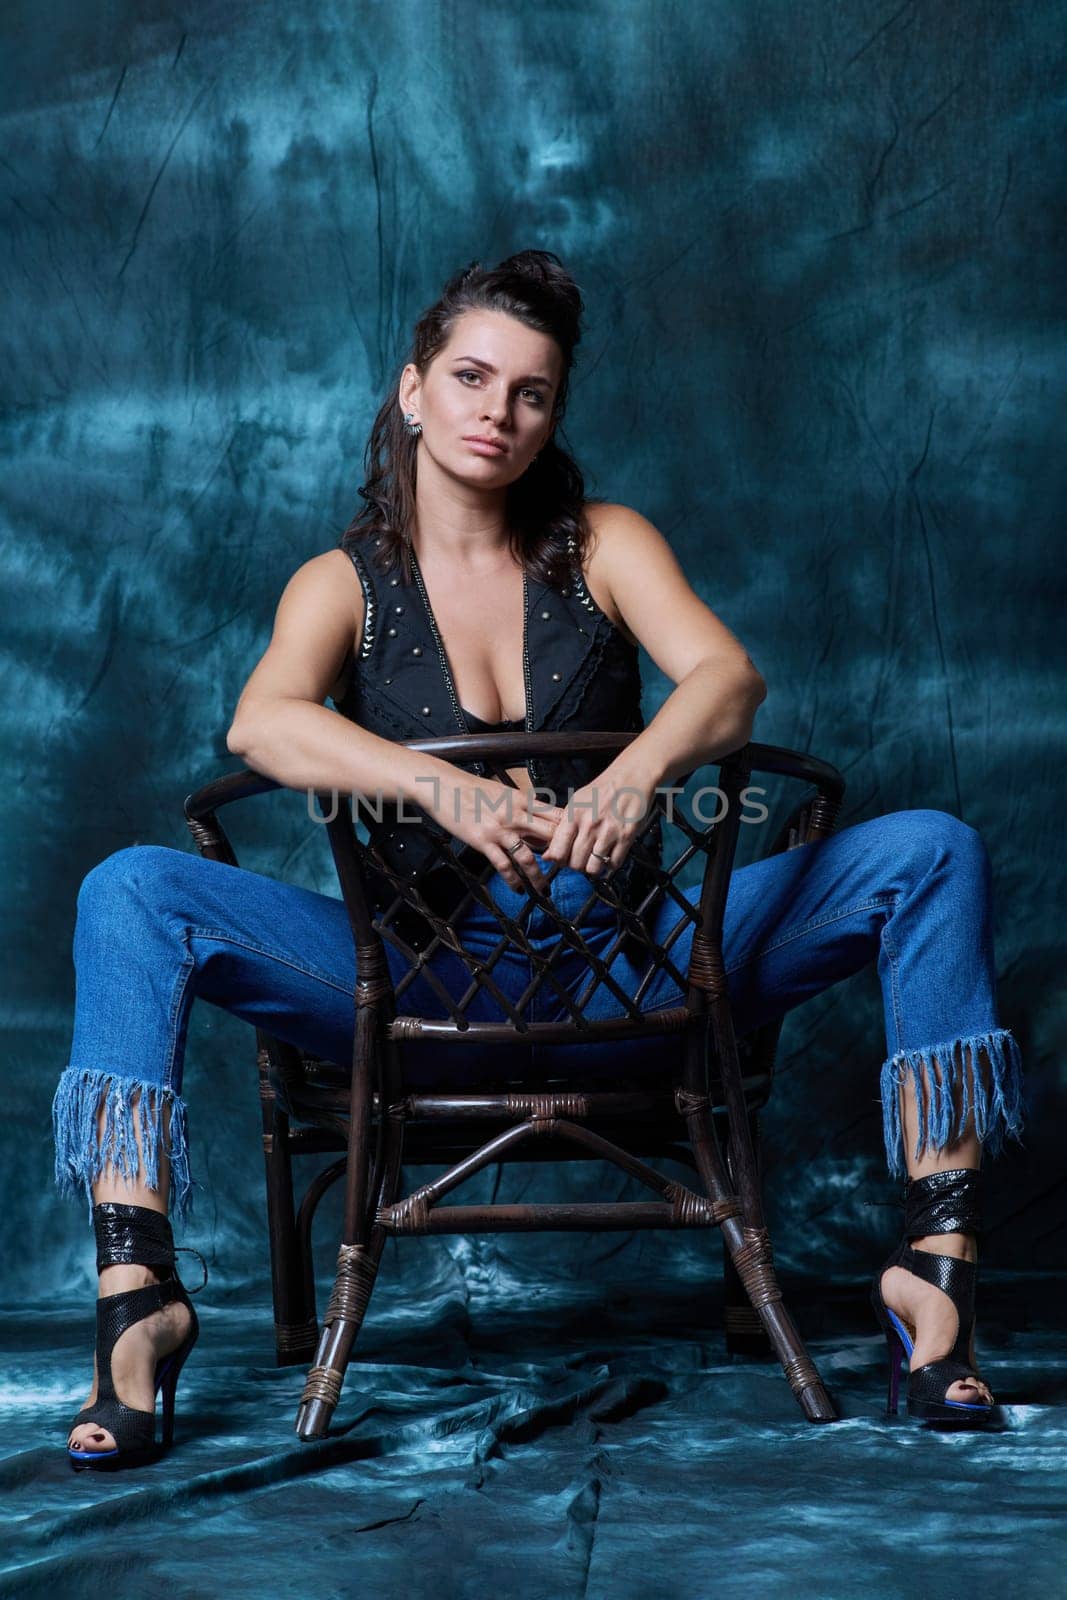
x=544, y=506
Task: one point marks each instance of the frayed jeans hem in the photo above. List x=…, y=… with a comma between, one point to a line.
x=954, y=1094
x=133, y=1114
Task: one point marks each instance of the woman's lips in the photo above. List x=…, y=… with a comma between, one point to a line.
x=485, y=449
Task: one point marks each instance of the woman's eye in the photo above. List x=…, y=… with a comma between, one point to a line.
x=533, y=394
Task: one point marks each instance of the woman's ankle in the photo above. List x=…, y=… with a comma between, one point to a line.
x=123, y=1276
x=963, y=1246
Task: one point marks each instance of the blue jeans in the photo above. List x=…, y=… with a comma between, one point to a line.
x=157, y=927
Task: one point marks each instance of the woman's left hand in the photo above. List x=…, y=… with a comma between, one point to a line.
x=599, y=823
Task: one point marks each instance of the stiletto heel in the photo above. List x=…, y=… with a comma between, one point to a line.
x=133, y=1235
x=897, y=1344
x=945, y=1202
x=169, y=1385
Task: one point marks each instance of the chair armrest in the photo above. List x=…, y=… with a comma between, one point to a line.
x=810, y=819
x=200, y=808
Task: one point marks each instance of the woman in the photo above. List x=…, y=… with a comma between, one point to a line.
x=476, y=534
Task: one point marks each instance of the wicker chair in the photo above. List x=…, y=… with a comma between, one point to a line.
x=702, y=1114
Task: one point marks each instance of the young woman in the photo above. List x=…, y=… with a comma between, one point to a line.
x=475, y=536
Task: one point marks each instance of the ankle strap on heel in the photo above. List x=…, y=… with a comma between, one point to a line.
x=131, y=1235
x=944, y=1202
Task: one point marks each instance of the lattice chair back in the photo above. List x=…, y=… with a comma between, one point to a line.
x=679, y=846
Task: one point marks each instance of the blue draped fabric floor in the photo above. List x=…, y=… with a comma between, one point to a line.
x=820, y=248
x=554, y=1435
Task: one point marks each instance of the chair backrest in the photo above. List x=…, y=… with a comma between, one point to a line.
x=698, y=842
x=695, y=847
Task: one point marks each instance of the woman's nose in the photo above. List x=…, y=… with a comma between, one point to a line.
x=496, y=404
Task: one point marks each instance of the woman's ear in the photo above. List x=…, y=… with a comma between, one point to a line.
x=408, y=388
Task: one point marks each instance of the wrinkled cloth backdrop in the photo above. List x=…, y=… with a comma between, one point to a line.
x=823, y=353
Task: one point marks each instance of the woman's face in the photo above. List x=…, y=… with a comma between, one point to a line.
x=494, y=378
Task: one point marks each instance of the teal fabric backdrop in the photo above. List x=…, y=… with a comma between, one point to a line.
x=821, y=248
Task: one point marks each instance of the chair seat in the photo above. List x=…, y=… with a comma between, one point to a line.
x=631, y=1065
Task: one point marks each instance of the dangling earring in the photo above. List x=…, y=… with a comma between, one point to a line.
x=414, y=428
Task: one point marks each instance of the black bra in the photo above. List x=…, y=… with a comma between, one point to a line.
x=477, y=725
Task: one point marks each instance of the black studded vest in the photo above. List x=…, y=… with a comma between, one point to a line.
x=580, y=672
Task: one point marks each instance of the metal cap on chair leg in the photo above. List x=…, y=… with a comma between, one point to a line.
x=321, y=1394
x=314, y=1418
x=816, y=1404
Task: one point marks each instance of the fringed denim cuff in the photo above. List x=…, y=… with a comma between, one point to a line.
x=132, y=1109
x=959, y=1089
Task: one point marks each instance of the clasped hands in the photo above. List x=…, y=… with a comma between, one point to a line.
x=592, y=832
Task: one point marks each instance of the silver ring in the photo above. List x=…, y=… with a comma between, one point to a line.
x=510, y=849
x=599, y=856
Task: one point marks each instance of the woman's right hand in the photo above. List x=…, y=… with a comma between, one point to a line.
x=494, y=818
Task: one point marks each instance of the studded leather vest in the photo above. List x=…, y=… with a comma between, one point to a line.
x=580, y=673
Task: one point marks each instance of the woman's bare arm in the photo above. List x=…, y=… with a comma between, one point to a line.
x=719, y=690
x=281, y=727
x=708, y=714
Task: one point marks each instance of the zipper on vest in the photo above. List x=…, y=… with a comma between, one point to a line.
x=442, y=656
x=527, y=677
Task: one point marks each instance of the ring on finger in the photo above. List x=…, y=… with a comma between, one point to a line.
x=599, y=855
x=510, y=849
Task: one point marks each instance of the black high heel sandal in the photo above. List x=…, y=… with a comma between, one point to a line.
x=133, y=1235
x=945, y=1202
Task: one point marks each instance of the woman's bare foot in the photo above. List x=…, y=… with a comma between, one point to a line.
x=136, y=1353
x=929, y=1315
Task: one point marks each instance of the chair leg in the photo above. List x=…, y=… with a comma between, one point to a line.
x=750, y=1250
x=357, y=1268
x=745, y=1333
x=749, y=1246
x=295, y=1328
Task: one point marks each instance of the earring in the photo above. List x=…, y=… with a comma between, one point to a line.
x=414, y=428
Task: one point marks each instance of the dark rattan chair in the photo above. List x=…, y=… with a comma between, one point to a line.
x=700, y=1108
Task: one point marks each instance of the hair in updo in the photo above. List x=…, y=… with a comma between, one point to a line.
x=545, y=506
